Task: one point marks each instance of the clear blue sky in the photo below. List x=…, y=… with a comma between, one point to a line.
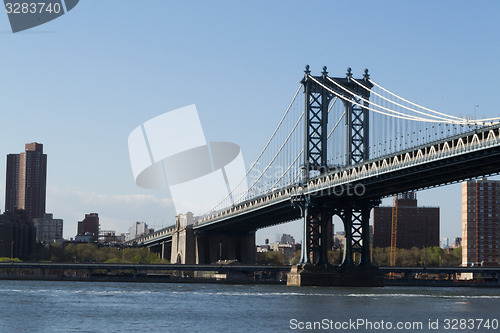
x=81, y=83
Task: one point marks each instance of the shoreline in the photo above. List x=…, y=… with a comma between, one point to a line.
x=171, y=279
x=156, y=279
x=484, y=277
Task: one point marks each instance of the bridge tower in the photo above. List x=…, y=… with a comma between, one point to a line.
x=314, y=268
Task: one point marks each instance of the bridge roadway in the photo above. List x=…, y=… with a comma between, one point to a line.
x=445, y=161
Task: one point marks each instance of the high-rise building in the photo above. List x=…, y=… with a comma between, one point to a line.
x=26, y=181
x=48, y=229
x=89, y=226
x=138, y=229
x=287, y=239
x=416, y=226
x=481, y=222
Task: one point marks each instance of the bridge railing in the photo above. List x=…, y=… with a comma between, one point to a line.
x=435, y=151
x=276, y=196
x=150, y=237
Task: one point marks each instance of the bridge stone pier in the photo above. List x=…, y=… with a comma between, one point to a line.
x=195, y=247
x=183, y=240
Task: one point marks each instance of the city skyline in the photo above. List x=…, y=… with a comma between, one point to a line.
x=83, y=104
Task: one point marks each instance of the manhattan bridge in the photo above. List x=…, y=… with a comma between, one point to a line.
x=342, y=145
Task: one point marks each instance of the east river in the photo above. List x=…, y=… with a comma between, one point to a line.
x=42, y=306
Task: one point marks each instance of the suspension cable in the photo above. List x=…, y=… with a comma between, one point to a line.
x=286, y=171
x=296, y=177
x=261, y=153
x=333, y=103
x=371, y=103
x=402, y=115
x=395, y=113
x=414, y=104
x=405, y=107
x=334, y=127
x=465, y=121
x=275, y=156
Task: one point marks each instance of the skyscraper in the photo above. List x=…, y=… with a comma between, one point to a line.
x=481, y=222
x=26, y=181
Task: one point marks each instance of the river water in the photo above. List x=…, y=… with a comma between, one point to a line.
x=43, y=306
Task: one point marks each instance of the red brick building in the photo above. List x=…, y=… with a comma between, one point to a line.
x=89, y=226
x=26, y=181
x=417, y=226
x=481, y=222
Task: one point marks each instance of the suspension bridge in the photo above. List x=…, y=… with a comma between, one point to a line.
x=341, y=146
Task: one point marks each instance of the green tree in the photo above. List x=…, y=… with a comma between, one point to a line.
x=335, y=256
x=86, y=252
x=271, y=258
x=454, y=258
x=434, y=256
x=5, y=259
x=113, y=261
x=296, y=258
x=380, y=256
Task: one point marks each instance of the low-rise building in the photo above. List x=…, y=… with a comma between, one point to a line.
x=17, y=235
x=89, y=226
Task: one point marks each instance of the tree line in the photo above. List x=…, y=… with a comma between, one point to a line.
x=91, y=253
x=88, y=252
x=425, y=257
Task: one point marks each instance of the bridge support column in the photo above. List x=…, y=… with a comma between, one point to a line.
x=318, y=236
x=346, y=216
x=356, y=219
x=314, y=269
x=365, y=237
